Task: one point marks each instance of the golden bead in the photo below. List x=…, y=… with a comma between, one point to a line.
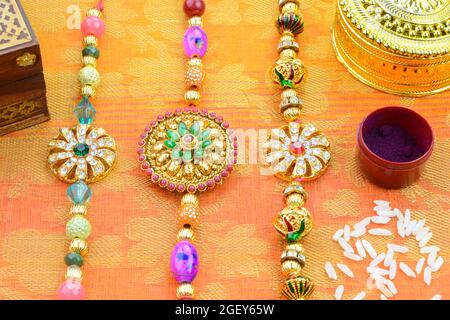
x=195, y=62
x=290, y=7
x=288, y=72
x=74, y=273
x=185, y=234
x=282, y=3
x=192, y=97
x=188, y=215
x=288, y=93
x=194, y=77
x=291, y=114
x=78, y=210
x=79, y=246
x=90, y=41
x=287, y=38
x=185, y=291
x=189, y=200
x=94, y=12
x=89, y=76
x=295, y=246
x=88, y=91
x=295, y=200
x=196, y=21
x=89, y=61
x=288, y=54
x=291, y=268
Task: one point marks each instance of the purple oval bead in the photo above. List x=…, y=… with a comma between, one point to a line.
x=184, y=262
x=195, y=42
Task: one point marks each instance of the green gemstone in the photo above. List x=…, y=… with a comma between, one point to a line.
x=195, y=129
x=187, y=155
x=205, y=134
x=177, y=154
x=173, y=135
x=170, y=144
x=81, y=150
x=206, y=144
x=74, y=259
x=292, y=237
x=182, y=129
x=85, y=111
x=198, y=153
x=287, y=84
x=91, y=51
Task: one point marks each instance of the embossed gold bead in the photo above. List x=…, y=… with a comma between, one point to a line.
x=289, y=93
x=196, y=21
x=192, y=97
x=185, y=291
x=89, y=76
x=295, y=246
x=291, y=114
x=295, y=200
x=89, y=61
x=74, y=273
x=290, y=7
x=189, y=200
x=186, y=234
x=288, y=72
x=282, y=3
x=94, y=12
x=291, y=268
x=79, y=246
x=78, y=210
x=88, y=91
x=288, y=54
x=188, y=215
x=194, y=77
x=90, y=41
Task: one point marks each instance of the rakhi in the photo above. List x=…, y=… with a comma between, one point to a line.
x=188, y=151
x=82, y=155
x=296, y=152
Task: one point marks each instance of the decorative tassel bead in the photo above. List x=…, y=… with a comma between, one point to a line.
x=291, y=22
x=93, y=25
x=194, y=77
x=79, y=246
x=71, y=290
x=184, y=262
x=194, y=7
x=185, y=291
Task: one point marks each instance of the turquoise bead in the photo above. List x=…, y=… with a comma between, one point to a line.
x=195, y=129
x=85, y=111
x=79, y=193
x=74, y=259
x=91, y=51
x=78, y=227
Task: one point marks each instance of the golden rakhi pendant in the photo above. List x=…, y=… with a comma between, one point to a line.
x=83, y=152
x=187, y=151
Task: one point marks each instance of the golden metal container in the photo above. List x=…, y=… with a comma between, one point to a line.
x=397, y=46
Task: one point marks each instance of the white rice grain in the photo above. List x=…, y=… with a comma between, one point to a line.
x=345, y=246
x=429, y=249
x=407, y=270
x=363, y=223
x=380, y=208
x=378, y=259
x=339, y=292
x=393, y=270
x=369, y=249
x=391, y=286
x=424, y=241
x=338, y=234
x=331, y=272
x=382, y=203
x=380, y=232
x=422, y=233
x=381, y=220
x=347, y=233
x=398, y=248
x=358, y=232
x=360, y=249
x=346, y=270
x=436, y=297
x=352, y=256
x=389, y=258
x=432, y=258
x=437, y=264
x=427, y=276
x=400, y=228
x=387, y=213
x=418, y=227
x=377, y=271
x=419, y=265
x=409, y=228
x=383, y=288
x=360, y=296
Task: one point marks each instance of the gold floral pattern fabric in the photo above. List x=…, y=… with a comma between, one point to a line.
x=134, y=223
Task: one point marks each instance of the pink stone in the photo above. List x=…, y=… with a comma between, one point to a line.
x=155, y=178
x=235, y=153
x=163, y=183
x=140, y=150
x=71, y=290
x=153, y=123
x=178, y=111
x=149, y=172
x=141, y=143
x=212, y=115
x=219, y=119
x=226, y=125
x=210, y=183
x=93, y=25
x=169, y=114
x=201, y=186
x=230, y=168
x=181, y=188
x=147, y=129
x=297, y=148
x=171, y=187
x=205, y=112
x=195, y=110
x=224, y=174
x=195, y=42
x=145, y=165
x=191, y=188
x=217, y=179
x=141, y=158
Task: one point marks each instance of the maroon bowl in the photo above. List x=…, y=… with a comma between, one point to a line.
x=394, y=144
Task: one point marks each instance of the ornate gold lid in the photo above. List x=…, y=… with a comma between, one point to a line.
x=406, y=27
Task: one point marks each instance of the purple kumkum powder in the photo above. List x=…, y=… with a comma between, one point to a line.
x=392, y=143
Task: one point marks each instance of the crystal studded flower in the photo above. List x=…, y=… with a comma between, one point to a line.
x=298, y=151
x=82, y=153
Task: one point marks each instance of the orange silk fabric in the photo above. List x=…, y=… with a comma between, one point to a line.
x=134, y=224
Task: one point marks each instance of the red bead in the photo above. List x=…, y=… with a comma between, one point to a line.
x=93, y=26
x=194, y=7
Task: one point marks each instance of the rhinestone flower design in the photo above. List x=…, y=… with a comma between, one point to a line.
x=298, y=151
x=82, y=153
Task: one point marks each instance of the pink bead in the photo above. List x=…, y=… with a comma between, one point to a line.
x=93, y=25
x=71, y=290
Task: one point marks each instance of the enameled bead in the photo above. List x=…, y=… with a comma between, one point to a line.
x=184, y=262
x=194, y=7
x=93, y=25
x=71, y=290
x=195, y=42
